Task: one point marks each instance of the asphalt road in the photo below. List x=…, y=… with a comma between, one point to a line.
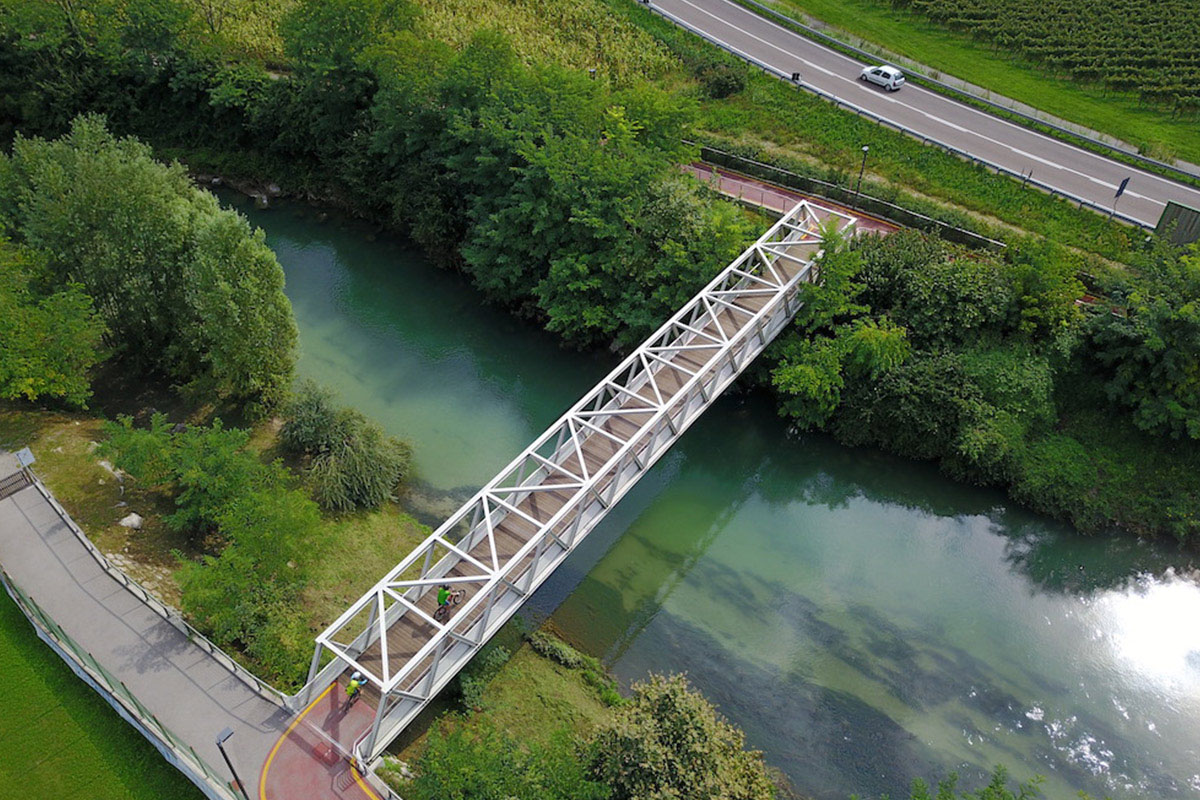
x=1062, y=166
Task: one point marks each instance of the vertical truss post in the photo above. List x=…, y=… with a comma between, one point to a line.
x=551, y=496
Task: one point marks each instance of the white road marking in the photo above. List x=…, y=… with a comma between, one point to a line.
x=933, y=117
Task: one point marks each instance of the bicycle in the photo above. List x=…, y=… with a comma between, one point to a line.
x=354, y=689
x=443, y=611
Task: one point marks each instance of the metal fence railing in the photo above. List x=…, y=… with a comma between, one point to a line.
x=1188, y=176
x=185, y=756
x=884, y=121
x=839, y=194
x=172, y=616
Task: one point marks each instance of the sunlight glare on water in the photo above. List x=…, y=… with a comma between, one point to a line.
x=1154, y=630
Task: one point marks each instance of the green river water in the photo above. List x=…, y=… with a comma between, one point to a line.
x=862, y=617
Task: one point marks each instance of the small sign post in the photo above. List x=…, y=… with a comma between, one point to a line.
x=1117, y=196
x=25, y=456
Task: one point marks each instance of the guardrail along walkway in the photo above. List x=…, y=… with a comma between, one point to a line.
x=180, y=695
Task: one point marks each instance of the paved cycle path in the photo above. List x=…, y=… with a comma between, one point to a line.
x=183, y=686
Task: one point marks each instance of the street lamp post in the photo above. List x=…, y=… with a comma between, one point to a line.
x=222, y=737
x=861, y=170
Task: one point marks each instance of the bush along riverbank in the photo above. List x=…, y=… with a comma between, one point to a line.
x=544, y=721
x=993, y=367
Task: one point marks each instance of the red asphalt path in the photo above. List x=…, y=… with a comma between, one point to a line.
x=307, y=763
x=777, y=198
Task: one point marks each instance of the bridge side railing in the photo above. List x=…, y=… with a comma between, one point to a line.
x=117, y=694
x=438, y=540
x=424, y=672
x=576, y=519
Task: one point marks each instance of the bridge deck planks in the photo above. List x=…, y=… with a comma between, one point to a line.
x=409, y=633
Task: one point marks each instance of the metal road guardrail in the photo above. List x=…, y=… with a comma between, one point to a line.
x=946, y=88
x=840, y=103
x=841, y=195
x=172, y=616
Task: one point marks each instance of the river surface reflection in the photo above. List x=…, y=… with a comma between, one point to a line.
x=863, y=618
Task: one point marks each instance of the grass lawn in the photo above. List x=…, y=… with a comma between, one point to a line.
x=61, y=739
x=910, y=34
x=531, y=698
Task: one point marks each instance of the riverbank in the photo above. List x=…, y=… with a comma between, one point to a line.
x=549, y=700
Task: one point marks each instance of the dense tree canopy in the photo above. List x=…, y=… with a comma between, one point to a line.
x=557, y=192
x=1150, y=348
x=670, y=742
x=49, y=337
x=184, y=288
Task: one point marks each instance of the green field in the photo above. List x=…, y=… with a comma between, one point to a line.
x=60, y=739
x=1157, y=131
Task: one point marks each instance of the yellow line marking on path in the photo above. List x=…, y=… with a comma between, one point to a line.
x=361, y=784
x=262, y=781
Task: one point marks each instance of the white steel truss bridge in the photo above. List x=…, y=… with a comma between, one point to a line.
x=508, y=538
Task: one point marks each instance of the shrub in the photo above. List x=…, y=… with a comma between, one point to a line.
x=312, y=419
x=594, y=673
x=247, y=597
x=473, y=681
x=722, y=80
x=556, y=650
x=482, y=763
x=353, y=464
x=203, y=468
x=670, y=742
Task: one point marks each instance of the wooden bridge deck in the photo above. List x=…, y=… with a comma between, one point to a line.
x=409, y=633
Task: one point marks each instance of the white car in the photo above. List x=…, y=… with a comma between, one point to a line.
x=889, y=78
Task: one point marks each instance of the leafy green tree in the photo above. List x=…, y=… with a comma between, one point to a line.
x=837, y=345
x=997, y=788
x=940, y=298
x=919, y=409
x=1150, y=353
x=670, y=742
x=810, y=378
x=352, y=463
x=248, y=596
x=330, y=94
x=1047, y=288
x=48, y=341
x=204, y=468
x=183, y=286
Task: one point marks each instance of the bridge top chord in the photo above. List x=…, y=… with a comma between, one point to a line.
x=503, y=542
